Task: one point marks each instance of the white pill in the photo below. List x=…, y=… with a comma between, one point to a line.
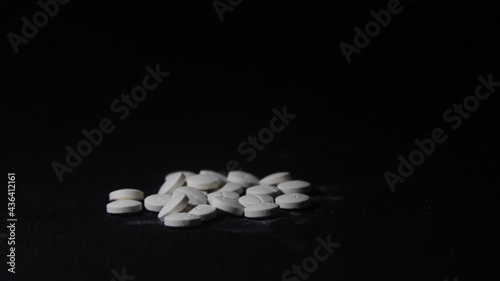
x=195, y=196
x=155, y=202
x=276, y=178
x=243, y=178
x=251, y=199
x=206, y=212
x=186, y=174
x=175, y=205
x=233, y=187
x=221, y=177
x=124, y=207
x=270, y=190
x=203, y=182
x=126, y=194
x=182, y=220
x=228, y=194
x=293, y=201
x=228, y=205
x=187, y=208
x=172, y=182
x=262, y=210
x=294, y=186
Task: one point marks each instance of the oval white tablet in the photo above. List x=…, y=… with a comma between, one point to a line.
x=175, y=205
x=293, y=201
x=126, y=194
x=182, y=220
x=262, y=210
x=206, y=212
x=203, y=182
x=155, y=202
x=221, y=177
x=243, y=178
x=186, y=174
x=251, y=199
x=294, y=186
x=276, y=178
x=228, y=194
x=270, y=190
x=233, y=187
x=124, y=207
x=195, y=196
x=228, y=205
x=172, y=182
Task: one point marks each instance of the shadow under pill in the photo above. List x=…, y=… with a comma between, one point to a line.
x=219, y=217
x=126, y=215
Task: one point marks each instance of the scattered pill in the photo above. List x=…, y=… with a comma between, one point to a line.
x=233, y=187
x=294, y=186
x=276, y=178
x=228, y=205
x=221, y=177
x=172, y=182
x=293, y=201
x=270, y=190
x=243, y=178
x=186, y=174
x=186, y=199
x=251, y=199
x=262, y=210
x=228, y=194
x=195, y=196
x=124, y=207
x=206, y=212
x=155, y=202
x=126, y=194
x=182, y=220
x=175, y=205
x=203, y=182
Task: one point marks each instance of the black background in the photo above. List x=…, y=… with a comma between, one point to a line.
x=353, y=120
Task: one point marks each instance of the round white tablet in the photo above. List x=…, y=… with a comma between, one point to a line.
x=206, y=212
x=173, y=181
x=221, y=177
x=251, y=199
x=294, y=186
x=175, y=205
x=262, y=210
x=124, y=207
x=182, y=220
x=293, y=201
x=228, y=194
x=228, y=205
x=203, y=182
x=155, y=202
x=270, y=190
x=186, y=174
x=126, y=194
x=233, y=187
x=195, y=196
x=276, y=178
x=243, y=178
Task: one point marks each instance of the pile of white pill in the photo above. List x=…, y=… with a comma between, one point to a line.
x=187, y=199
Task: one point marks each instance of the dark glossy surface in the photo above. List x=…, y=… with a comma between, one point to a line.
x=352, y=121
